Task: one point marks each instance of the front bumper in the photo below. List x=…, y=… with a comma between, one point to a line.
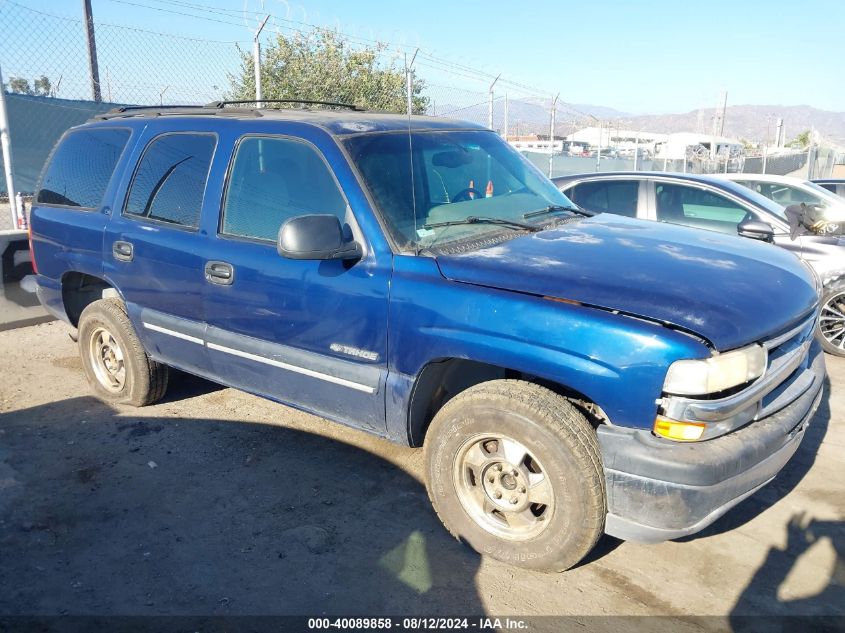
x=659, y=490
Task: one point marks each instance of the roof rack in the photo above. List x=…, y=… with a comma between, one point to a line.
x=164, y=110
x=214, y=108
x=307, y=102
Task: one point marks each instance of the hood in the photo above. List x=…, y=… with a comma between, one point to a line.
x=731, y=291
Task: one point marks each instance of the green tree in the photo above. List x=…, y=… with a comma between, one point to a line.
x=20, y=85
x=321, y=66
x=801, y=141
x=43, y=87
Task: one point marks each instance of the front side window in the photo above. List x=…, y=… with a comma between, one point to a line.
x=81, y=167
x=457, y=174
x=169, y=183
x=273, y=180
x=693, y=206
x=617, y=197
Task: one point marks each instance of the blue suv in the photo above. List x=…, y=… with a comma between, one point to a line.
x=567, y=374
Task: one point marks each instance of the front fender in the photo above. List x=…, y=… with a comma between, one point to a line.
x=618, y=362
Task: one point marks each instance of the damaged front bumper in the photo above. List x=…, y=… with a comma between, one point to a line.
x=659, y=490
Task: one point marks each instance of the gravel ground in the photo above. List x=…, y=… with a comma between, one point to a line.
x=217, y=502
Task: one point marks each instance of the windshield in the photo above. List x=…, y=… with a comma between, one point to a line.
x=457, y=175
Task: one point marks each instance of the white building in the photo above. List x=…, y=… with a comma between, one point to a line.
x=687, y=144
x=618, y=138
x=539, y=146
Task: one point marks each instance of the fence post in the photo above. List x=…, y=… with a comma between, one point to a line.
x=6, y=145
x=256, y=60
x=552, y=135
x=505, y=135
x=490, y=102
x=636, y=150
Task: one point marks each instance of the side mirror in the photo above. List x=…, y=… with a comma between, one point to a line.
x=315, y=237
x=756, y=230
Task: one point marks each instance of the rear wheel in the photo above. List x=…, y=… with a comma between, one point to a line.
x=515, y=471
x=115, y=363
x=831, y=325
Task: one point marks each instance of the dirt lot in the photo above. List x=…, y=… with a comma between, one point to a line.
x=217, y=502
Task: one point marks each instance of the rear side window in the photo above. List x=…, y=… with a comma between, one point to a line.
x=169, y=183
x=81, y=167
x=273, y=180
x=619, y=197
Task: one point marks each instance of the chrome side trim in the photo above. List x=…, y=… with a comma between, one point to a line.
x=294, y=368
x=174, y=333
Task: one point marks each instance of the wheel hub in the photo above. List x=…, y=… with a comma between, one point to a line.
x=503, y=487
x=506, y=487
x=107, y=360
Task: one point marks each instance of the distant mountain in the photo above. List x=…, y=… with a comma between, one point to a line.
x=529, y=116
x=752, y=122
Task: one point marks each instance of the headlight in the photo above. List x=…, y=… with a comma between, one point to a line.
x=717, y=373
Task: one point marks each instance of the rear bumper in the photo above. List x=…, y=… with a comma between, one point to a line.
x=659, y=490
x=49, y=292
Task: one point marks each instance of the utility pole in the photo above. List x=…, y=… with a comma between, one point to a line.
x=92, y=52
x=718, y=123
x=6, y=146
x=256, y=60
x=490, y=103
x=552, y=135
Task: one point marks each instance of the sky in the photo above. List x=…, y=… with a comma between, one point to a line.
x=635, y=56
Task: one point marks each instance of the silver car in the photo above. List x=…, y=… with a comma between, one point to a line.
x=720, y=205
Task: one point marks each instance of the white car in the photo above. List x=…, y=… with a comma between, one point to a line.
x=787, y=190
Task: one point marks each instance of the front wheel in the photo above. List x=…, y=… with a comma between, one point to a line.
x=830, y=330
x=515, y=471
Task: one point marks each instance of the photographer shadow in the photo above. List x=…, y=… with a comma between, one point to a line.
x=106, y=513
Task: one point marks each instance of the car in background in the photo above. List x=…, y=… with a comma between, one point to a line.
x=834, y=185
x=787, y=190
x=725, y=206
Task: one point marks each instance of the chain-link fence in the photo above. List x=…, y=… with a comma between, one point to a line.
x=49, y=87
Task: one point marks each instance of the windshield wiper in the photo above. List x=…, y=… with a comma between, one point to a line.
x=555, y=208
x=477, y=219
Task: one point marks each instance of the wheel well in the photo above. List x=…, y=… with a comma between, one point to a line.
x=79, y=290
x=442, y=380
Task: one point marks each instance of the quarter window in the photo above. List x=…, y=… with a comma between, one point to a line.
x=693, y=206
x=170, y=181
x=81, y=167
x=619, y=197
x=273, y=180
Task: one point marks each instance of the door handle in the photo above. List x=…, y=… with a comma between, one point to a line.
x=122, y=251
x=220, y=273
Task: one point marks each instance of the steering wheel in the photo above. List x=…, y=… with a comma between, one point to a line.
x=465, y=193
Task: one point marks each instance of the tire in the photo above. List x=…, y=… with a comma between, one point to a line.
x=830, y=328
x=464, y=448
x=115, y=363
